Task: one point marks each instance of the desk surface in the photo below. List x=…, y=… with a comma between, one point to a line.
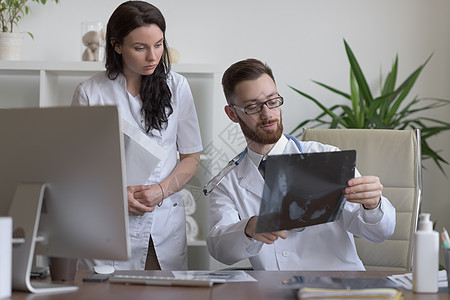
x=265, y=288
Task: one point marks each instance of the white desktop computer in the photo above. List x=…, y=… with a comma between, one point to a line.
x=62, y=179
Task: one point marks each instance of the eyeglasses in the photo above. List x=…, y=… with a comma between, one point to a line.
x=257, y=107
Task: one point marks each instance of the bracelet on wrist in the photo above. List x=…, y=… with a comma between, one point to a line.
x=162, y=194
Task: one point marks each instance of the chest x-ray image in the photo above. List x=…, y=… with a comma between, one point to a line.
x=304, y=189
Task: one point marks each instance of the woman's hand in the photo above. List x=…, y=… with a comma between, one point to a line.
x=143, y=198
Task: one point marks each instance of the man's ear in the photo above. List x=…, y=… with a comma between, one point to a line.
x=231, y=113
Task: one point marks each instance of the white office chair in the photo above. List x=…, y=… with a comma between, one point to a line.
x=395, y=157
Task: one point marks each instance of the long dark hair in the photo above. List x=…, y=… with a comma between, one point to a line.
x=155, y=92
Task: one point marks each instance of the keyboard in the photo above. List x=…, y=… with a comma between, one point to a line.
x=158, y=280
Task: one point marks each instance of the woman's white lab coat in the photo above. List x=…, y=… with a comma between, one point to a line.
x=166, y=224
x=327, y=246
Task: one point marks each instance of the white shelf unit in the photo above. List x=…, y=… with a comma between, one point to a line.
x=43, y=84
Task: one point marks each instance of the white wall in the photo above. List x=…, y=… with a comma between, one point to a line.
x=300, y=39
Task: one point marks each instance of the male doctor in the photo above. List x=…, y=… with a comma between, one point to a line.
x=254, y=103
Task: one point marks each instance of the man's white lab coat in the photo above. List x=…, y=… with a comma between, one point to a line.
x=327, y=246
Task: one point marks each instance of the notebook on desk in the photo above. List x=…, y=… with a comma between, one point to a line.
x=298, y=282
x=324, y=287
x=370, y=293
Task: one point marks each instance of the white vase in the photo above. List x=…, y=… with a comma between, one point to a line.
x=11, y=45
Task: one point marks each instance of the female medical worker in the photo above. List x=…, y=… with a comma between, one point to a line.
x=158, y=102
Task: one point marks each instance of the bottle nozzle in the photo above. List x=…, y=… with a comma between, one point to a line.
x=425, y=222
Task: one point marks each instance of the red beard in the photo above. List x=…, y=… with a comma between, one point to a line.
x=260, y=136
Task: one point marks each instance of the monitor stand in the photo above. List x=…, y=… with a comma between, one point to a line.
x=25, y=211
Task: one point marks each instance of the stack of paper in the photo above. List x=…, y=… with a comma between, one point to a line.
x=406, y=280
x=324, y=293
x=216, y=276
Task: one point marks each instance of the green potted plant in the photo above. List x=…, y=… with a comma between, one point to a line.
x=392, y=109
x=11, y=12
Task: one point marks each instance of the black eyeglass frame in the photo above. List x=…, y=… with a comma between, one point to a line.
x=260, y=104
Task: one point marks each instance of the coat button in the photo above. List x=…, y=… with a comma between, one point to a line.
x=284, y=253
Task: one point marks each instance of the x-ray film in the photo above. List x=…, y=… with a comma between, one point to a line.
x=304, y=189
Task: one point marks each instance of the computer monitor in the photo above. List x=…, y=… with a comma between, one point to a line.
x=62, y=179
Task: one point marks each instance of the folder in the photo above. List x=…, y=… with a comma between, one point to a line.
x=142, y=155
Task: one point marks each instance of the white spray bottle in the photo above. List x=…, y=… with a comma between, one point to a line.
x=426, y=257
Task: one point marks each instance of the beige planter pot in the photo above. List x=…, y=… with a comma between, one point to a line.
x=11, y=45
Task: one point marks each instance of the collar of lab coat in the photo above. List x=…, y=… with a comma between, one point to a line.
x=249, y=177
x=278, y=148
x=247, y=171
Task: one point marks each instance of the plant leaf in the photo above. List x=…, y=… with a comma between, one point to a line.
x=359, y=76
x=324, y=108
x=345, y=95
x=405, y=87
x=389, y=84
x=388, y=89
x=354, y=95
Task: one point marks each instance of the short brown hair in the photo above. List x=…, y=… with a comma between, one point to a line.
x=249, y=69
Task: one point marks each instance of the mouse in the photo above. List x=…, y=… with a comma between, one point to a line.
x=104, y=269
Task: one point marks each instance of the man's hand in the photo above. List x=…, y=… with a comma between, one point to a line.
x=143, y=198
x=365, y=190
x=267, y=237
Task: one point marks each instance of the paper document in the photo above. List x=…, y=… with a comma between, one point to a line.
x=142, y=155
x=406, y=280
x=304, y=189
x=216, y=276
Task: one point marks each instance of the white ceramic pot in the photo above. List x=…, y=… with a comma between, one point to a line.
x=11, y=45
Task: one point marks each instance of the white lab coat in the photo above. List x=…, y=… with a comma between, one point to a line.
x=327, y=246
x=166, y=224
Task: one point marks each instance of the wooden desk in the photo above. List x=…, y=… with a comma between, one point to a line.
x=265, y=288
